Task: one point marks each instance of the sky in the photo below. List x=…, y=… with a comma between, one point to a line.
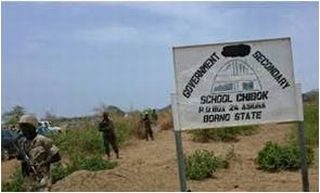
x=69, y=57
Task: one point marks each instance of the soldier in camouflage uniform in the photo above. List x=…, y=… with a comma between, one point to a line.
x=147, y=126
x=109, y=137
x=36, y=153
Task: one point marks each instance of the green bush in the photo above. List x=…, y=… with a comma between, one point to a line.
x=79, y=141
x=93, y=163
x=274, y=157
x=202, y=164
x=124, y=129
x=222, y=134
x=89, y=141
x=60, y=171
x=84, y=150
x=311, y=124
x=15, y=184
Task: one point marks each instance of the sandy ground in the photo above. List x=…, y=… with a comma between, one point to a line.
x=8, y=168
x=152, y=166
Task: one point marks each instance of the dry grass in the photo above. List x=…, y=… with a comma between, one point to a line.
x=165, y=121
x=152, y=166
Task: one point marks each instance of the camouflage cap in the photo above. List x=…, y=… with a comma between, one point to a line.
x=29, y=119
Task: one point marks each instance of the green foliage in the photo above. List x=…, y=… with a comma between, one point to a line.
x=274, y=157
x=114, y=110
x=15, y=184
x=79, y=142
x=93, y=163
x=79, y=162
x=222, y=134
x=12, y=117
x=202, y=164
x=311, y=124
x=89, y=140
x=311, y=96
x=50, y=116
x=59, y=171
x=84, y=150
x=124, y=129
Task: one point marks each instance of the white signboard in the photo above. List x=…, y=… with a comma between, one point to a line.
x=232, y=84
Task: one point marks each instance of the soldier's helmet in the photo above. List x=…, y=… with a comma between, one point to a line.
x=29, y=119
x=105, y=114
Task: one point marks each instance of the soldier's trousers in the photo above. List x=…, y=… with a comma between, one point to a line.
x=149, y=132
x=109, y=138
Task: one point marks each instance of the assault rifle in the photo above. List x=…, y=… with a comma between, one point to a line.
x=25, y=158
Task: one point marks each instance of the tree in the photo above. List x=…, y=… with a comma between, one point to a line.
x=102, y=108
x=110, y=109
x=12, y=117
x=49, y=116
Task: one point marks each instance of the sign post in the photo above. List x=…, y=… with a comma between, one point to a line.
x=181, y=164
x=233, y=84
x=179, y=148
x=302, y=142
x=303, y=157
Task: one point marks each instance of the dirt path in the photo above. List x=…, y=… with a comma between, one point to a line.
x=7, y=169
x=152, y=166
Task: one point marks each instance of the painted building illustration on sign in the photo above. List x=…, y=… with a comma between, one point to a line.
x=235, y=76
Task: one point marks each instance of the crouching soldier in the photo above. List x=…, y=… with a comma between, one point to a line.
x=36, y=153
x=109, y=137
